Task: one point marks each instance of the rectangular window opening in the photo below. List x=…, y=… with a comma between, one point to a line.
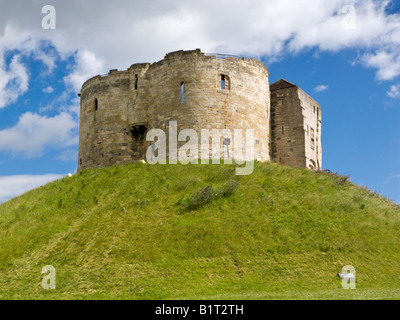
x=222, y=82
x=136, y=81
x=312, y=139
x=182, y=91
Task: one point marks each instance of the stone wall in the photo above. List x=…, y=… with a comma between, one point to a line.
x=312, y=128
x=295, y=127
x=118, y=110
x=130, y=103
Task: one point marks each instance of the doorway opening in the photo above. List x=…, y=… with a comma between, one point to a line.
x=138, y=132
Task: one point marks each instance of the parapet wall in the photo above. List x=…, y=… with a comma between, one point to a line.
x=118, y=109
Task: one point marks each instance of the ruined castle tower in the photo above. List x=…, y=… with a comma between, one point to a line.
x=295, y=127
x=198, y=91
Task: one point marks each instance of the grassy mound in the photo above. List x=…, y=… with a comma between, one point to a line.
x=199, y=232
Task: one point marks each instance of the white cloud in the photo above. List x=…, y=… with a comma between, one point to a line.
x=63, y=103
x=14, y=78
x=87, y=65
x=49, y=89
x=33, y=133
x=68, y=155
x=106, y=35
x=13, y=82
x=48, y=59
x=12, y=186
x=391, y=178
x=394, y=92
x=321, y=87
x=387, y=63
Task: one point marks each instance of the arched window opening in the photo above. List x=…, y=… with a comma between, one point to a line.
x=225, y=83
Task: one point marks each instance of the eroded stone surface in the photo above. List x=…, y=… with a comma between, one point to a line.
x=117, y=110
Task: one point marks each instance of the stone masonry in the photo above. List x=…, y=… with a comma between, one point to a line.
x=198, y=91
x=295, y=127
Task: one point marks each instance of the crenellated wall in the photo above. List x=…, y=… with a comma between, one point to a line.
x=119, y=109
x=148, y=96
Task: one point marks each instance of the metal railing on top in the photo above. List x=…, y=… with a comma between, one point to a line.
x=222, y=55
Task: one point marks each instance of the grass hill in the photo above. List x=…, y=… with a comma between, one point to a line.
x=199, y=232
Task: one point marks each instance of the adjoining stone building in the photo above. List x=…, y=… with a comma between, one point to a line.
x=198, y=91
x=295, y=127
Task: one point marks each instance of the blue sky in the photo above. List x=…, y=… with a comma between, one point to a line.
x=360, y=122
x=345, y=54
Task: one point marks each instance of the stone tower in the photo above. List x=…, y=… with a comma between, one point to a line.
x=197, y=91
x=295, y=127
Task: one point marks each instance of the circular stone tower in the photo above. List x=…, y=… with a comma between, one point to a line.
x=195, y=90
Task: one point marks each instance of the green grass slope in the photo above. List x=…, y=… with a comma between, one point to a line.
x=199, y=232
